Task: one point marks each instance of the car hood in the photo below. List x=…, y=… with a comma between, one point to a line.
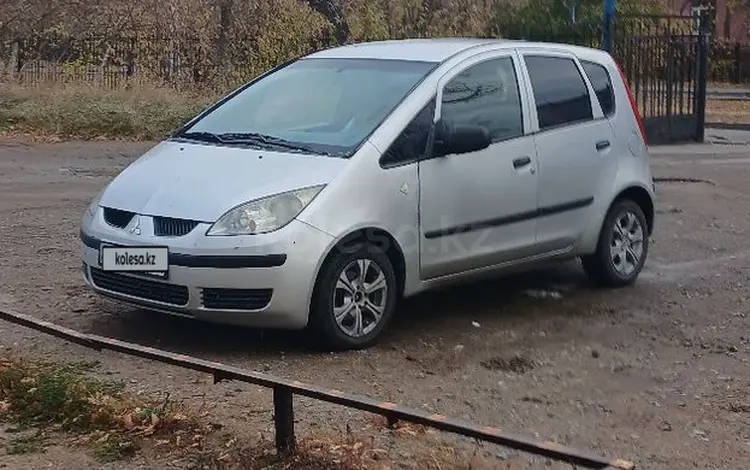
x=202, y=182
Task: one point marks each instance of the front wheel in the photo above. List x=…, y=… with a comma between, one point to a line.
x=354, y=300
x=622, y=247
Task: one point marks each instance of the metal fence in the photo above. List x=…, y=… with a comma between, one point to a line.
x=284, y=391
x=729, y=62
x=188, y=60
x=662, y=56
x=114, y=62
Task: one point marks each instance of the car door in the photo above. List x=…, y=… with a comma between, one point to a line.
x=477, y=208
x=574, y=142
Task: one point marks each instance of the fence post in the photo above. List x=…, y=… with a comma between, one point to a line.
x=670, y=82
x=283, y=419
x=609, y=16
x=13, y=60
x=737, y=61
x=700, y=101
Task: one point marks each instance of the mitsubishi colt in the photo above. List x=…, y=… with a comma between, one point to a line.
x=324, y=191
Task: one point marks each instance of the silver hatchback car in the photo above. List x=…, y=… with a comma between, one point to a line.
x=327, y=189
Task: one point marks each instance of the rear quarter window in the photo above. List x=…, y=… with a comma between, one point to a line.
x=602, y=84
x=561, y=95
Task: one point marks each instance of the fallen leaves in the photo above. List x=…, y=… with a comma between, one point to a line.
x=65, y=398
x=116, y=425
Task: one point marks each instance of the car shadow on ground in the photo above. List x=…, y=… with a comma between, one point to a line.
x=448, y=313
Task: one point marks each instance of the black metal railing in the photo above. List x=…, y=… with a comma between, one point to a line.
x=661, y=56
x=185, y=60
x=284, y=391
x=118, y=61
x=729, y=62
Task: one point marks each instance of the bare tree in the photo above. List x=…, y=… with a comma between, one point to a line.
x=332, y=11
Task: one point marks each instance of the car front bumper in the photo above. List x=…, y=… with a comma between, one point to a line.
x=263, y=281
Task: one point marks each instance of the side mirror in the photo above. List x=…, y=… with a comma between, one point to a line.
x=455, y=139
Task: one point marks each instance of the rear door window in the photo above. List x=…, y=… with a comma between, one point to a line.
x=602, y=84
x=560, y=92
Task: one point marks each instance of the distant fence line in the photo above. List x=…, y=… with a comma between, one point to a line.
x=729, y=62
x=116, y=62
x=190, y=62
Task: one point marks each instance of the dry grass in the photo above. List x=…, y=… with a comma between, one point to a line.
x=52, y=398
x=86, y=112
x=51, y=402
x=736, y=86
x=143, y=112
x=728, y=111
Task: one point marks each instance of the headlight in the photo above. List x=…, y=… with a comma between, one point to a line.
x=95, y=203
x=264, y=215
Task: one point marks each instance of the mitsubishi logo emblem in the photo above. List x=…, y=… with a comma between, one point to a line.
x=136, y=229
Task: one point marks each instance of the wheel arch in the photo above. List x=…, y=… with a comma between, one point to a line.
x=633, y=191
x=378, y=237
x=592, y=261
x=643, y=198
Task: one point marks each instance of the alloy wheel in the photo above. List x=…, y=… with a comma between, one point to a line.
x=626, y=247
x=360, y=297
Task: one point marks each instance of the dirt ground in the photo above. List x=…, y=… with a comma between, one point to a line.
x=656, y=374
x=728, y=111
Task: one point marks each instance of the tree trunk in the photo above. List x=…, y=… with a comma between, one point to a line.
x=225, y=25
x=333, y=12
x=391, y=14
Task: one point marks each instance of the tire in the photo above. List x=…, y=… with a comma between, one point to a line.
x=612, y=265
x=330, y=334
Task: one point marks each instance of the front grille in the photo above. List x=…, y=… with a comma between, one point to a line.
x=117, y=218
x=141, y=288
x=168, y=227
x=236, y=299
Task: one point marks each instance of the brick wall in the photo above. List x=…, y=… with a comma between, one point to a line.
x=733, y=25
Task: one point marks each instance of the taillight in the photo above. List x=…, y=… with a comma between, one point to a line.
x=633, y=105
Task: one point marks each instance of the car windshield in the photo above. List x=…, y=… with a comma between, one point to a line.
x=326, y=106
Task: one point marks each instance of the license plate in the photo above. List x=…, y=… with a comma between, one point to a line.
x=151, y=260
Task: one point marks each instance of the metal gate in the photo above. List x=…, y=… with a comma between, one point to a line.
x=665, y=61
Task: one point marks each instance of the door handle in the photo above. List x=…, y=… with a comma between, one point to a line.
x=602, y=144
x=521, y=162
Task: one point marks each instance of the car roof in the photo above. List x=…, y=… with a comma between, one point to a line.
x=431, y=50
x=427, y=50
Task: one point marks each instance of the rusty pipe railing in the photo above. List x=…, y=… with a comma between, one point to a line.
x=284, y=391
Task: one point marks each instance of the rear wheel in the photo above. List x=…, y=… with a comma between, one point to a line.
x=355, y=298
x=622, y=248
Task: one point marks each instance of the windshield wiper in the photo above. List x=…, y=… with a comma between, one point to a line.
x=200, y=136
x=263, y=140
x=248, y=138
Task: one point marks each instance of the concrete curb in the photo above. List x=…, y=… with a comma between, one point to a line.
x=717, y=142
x=738, y=126
x=698, y=150
x=728, y=93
